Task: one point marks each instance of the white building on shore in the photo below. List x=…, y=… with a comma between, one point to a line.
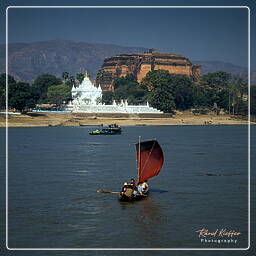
x=87, y=98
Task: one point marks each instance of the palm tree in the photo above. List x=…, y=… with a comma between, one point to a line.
x=72, y=79
x=65, y=75
x=237, y=90
x=80, y=77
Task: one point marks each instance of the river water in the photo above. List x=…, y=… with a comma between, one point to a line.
x=54, y=173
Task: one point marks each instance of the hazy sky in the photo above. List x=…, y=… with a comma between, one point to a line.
x=200, y=34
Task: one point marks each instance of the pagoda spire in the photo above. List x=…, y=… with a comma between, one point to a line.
x=86, y=75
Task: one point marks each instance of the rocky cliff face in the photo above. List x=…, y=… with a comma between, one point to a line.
x=139, y=64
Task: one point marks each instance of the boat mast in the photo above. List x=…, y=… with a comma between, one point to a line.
x=138, y=167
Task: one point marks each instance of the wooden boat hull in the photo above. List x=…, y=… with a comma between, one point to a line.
x=124, y=198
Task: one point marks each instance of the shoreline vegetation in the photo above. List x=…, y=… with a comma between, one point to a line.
x=217, y=98
x=33, y=119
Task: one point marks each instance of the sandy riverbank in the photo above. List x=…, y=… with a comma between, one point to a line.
x=56, y=119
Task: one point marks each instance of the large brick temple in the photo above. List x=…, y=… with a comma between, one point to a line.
x=139, y=64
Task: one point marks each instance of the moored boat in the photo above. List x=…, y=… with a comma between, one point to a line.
x=112, y=129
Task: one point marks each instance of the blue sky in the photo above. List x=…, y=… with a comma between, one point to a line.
x=199, y=34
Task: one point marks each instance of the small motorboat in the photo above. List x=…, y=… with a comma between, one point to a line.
x=112, y=129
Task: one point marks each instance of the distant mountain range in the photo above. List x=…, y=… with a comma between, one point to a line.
x=28, y=60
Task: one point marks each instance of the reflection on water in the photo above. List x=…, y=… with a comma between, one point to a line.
x=150, y=221
x=147, y=219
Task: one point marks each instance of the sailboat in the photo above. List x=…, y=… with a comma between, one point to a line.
x=150, y=159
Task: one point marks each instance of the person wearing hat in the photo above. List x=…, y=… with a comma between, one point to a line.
x=125, y=185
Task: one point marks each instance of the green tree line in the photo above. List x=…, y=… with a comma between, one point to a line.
x=167, y=92
x=45, y=88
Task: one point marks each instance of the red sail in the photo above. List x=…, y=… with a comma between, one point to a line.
x=150, y=159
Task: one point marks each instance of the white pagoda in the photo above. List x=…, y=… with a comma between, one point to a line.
x=87, y=98
x=86, y=93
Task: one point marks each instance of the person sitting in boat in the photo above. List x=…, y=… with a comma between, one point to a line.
x=127, y=190
x=133, y=183
x=140, y=188
x=144, y=187
x=125, y=186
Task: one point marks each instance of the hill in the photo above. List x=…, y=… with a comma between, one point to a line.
x=211, y=66
x=28, y=60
